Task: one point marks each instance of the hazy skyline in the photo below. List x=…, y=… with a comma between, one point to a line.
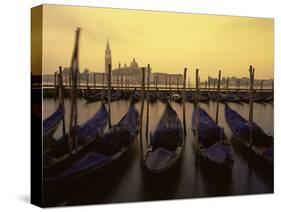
x=168, y=41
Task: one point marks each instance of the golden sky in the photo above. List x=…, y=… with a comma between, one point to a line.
x=168, y=41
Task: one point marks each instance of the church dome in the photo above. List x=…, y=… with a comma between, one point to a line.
x=134, y=64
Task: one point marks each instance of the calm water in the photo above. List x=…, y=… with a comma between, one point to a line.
x=130, y=184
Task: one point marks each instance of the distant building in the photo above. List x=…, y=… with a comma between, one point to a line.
x=164, y=78
x=134, y=72
x=108, y=58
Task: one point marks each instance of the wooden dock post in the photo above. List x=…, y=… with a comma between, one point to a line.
x=122, y=82
x=183, y=100
x=170, y=87
x=251, y=111
x=156, y=83
x=55, y=80
x=215, y=83
x=147, y=101
x=65, y=78
x=141, y=114
x=109, y=94
x=166, y=82
x=87, y=84
x=272, y=88
x=55, y=85
x=103, y=81
x=261, y=85
x=61, y=96
x=94, y=76
x=227, y=85
x=126, y=83
x=209, y=85
x=218, y=97
x=117, y=82
x=73, y=108
x=197, y=106
x=239, y=82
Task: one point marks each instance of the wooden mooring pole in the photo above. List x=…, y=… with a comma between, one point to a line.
x=109, y=94
x=227, y=85
x=251, y=111
x=73, y=108
x=103, y=81
x=166, y=81
x=94, y=76
x=183, y=100
x=209, y=85
x=87, y=84
x=218, y=97
x=122, y=81
x=141, y=114
x=147, y=101
x=170, y=87
x=55, y=85
x=61, y=96
x=197, y=106
x=117, y=82
x=178, y=79
x=272, y=87
x=261, y=85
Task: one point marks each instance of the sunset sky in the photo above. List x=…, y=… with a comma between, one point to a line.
x=168, y=41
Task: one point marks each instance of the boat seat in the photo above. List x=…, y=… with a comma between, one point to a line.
x=218, y=152
x=159, y=158
x=89, y=161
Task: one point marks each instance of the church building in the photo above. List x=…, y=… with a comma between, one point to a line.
x=133, y=71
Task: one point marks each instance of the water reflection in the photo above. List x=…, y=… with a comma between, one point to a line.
x=129, y=182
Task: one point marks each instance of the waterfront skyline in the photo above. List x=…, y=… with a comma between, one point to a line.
x=168, y=41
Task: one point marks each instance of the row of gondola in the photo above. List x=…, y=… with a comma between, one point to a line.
x=98, y=150
x=163, y=96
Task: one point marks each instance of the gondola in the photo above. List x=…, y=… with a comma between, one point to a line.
x=51, y=123
x=151, y=97
x=176, y=98
x=114, y=146
x=232, y=97
x=213, y=149
x=262, y=146
x=58, y=157
x=115, y=96
x=94, y=97
x=162, y=96
x=166, y=143
x=136, y=96
x=190, y=97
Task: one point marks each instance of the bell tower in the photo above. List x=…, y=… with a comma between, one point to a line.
x=108, y=59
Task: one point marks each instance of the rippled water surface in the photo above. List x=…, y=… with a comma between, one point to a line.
x=129, y=182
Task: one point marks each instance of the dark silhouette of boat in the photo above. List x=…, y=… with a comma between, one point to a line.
x=151, y=97
x=59, y=156
x=262, y=144
x=162, y=96
x=113, y=146
x=94, y=97
x=166, y=143
x=136, y=96
x=176, y=98
x=213, y=149
x=51, y=123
